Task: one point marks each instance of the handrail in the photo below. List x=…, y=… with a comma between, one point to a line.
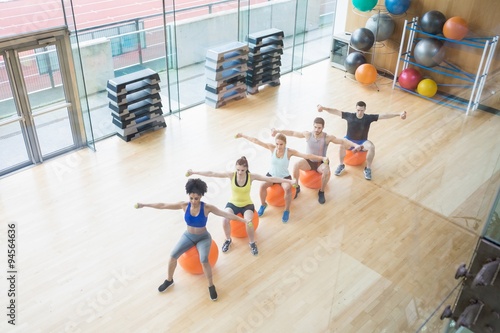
x=210, y=5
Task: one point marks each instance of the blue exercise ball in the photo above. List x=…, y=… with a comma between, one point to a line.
x=429, y=52
x=397, y=7
x=382, y=26
x=432, y=22
x=362, y=39
x=353, y=61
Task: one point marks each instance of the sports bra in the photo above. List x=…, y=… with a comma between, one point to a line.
x=198, y=221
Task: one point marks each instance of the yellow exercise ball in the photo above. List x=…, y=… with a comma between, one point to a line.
x=427, y=87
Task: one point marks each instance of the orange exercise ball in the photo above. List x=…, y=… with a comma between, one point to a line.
x=355, y=158
x=366, y=74
x=190, y=260
x=310, y=179
x=427, y=87
x=455, y=28
x=276, y=195
x=239, y=230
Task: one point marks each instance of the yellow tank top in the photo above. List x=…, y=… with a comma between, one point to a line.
x=240, y=195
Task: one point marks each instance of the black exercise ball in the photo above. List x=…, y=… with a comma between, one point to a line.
x=362, y=39
x=353, y=61
x=432, y=22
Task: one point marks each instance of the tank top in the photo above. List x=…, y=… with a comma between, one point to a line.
x=198, y=221
x=317, y=146
x=240, y=195
x=279, y=166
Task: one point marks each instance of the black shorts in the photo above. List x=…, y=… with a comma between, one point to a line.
x=240, y=210
x=287, y=177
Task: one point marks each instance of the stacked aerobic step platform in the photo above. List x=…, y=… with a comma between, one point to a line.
x=135, y=103
x=264, y=59
x=225, y=71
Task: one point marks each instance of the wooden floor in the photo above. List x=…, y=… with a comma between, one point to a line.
x=379, y=256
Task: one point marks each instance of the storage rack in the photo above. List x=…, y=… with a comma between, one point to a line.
x=474, y=82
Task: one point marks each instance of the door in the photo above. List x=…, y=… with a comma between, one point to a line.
x=40, y=117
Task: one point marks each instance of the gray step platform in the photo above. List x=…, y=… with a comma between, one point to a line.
x=119, y=84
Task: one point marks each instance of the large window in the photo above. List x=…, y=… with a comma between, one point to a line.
x=170, y=37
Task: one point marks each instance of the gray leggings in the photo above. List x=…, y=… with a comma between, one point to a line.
x=188, y=240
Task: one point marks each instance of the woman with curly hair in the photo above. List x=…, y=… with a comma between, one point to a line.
x=196, y=216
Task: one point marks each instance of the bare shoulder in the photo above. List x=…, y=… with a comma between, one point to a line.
x=331, y=138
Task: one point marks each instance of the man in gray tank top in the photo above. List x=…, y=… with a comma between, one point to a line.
x=317, y=143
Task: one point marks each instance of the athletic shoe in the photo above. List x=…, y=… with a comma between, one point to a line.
x=297, y=191
x=253, y=249
x=321, y=197
x=339, y=169
x=226, y=244
x=213, y=293
x=368, y=173
x=165, y=285
x=262, y=209
x=286, y=215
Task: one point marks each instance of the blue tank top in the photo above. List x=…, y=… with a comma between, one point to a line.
x=279, y=166
x=198, y=221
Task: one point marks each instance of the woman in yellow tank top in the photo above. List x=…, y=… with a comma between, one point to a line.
x=240, y=201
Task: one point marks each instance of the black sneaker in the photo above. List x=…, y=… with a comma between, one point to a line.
x=321, y=197
x=226, y=244
x=339, y=169
x=297, y=191
x=165, y=285
x=253, y=249
x=213, y=293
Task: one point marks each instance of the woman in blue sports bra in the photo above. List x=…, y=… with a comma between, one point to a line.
x=196, y=216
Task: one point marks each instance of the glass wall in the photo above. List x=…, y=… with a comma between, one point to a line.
x=492, y=229
x=170, y=37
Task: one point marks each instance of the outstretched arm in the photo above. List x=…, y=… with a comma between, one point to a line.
x=313, y=157
x=269, y=146
x=296, y=134
x=272, y=179
x=223, y=213
x=348, y=144
x=162, y=205
x=209, y=174
x=402, y=115
x=336, y=112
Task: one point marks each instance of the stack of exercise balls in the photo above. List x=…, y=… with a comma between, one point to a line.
x=362, y=39
x=429, y=51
